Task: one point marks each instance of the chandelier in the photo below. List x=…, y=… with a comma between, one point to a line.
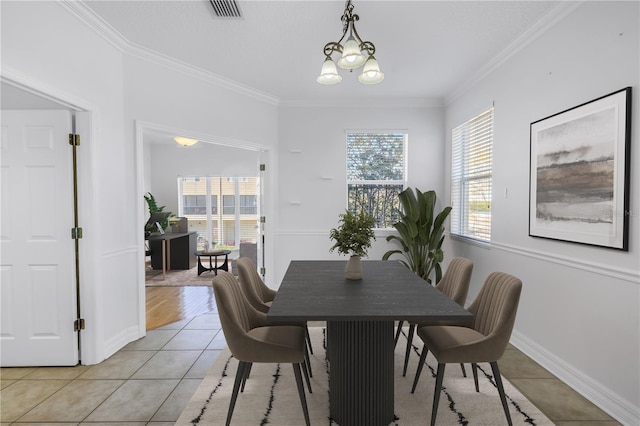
x=352, y=54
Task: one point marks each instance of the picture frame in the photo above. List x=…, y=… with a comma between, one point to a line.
x=579, y=173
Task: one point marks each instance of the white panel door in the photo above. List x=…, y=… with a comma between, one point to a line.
x=37, y=257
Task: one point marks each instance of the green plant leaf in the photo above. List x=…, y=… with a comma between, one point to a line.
x=420, y=233
x=354, y=234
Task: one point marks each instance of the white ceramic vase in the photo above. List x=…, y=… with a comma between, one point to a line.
x=353, y=270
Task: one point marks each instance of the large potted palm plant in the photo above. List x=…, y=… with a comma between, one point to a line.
x=420, y=233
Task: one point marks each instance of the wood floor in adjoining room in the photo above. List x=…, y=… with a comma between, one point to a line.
x=166, y=305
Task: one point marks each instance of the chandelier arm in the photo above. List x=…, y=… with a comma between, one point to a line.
x=369, y=47
x=353, y=20
x=331, y=47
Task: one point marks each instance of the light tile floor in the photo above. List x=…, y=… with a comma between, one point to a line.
x=150, y=381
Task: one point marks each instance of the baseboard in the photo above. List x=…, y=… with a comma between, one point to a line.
x=120, y=340
x=611, y=403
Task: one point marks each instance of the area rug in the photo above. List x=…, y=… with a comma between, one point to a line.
x=270, y=395
x=153, y=278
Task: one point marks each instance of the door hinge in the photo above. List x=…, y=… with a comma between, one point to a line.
x=263, y=167
x=263, y=219
x=76, y=233
x=263, y=271
x=78, y=324
x=74, y=139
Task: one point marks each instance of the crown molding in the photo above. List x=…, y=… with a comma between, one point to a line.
x=81, y=11
x=96, y=23
x=366, y=103
x=154, y=57
x=555, y=15
x=87, y=16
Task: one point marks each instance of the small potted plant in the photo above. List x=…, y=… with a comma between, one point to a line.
x=155, y=208
x=353, y=237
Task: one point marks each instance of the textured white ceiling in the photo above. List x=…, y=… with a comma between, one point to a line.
x=426, y=49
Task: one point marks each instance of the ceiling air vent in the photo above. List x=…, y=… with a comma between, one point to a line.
x=226, y=9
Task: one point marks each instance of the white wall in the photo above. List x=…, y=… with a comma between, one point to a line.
x=52, y=47
x=312, y=182
x=168, y=162
x=579, y=311
x=43, y=44
x=161, y=93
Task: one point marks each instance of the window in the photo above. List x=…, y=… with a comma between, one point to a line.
x=197, y=204
x=472, y=146
x=228, y=204
x=220, y=223
x=376, y=174
x=248, y=204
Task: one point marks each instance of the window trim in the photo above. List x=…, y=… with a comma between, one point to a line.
x=405, y=164
x=461, y=173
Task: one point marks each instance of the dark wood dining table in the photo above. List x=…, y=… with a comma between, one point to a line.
x=360, y=317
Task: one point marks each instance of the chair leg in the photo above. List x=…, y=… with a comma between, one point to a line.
x=474, y=368
x=496, y=376
x=303, y=399
x=423, y=358
x=398, y=331
x=464, y=372
x=412, y=328
x=247, y=372
x=307, y=362
x=240, y=374
x=307, y=337
x=305, y=370
x=436, y=393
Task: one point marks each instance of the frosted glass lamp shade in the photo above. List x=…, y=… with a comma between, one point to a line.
x=185, y=141
x=371, y=73
x=351, y=56
x=329, y=73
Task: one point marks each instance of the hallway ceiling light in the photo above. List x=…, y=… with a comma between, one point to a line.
x=185, y=141
x=351, y=54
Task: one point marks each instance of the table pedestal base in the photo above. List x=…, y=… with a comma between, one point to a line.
x=361, y=372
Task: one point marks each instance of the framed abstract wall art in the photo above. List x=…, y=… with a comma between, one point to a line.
x=579, y=173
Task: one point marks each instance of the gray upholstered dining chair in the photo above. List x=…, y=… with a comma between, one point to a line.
x=494, y=311
x=259, y=295
x=455, y=285
x=250, y=340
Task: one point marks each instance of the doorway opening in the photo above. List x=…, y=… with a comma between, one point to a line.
x=217, y=186
x=41, y=269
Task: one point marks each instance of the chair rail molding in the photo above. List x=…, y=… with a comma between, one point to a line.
x=572, y=262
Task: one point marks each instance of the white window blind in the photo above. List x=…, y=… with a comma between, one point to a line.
x=376, y=164
x=471, y=166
